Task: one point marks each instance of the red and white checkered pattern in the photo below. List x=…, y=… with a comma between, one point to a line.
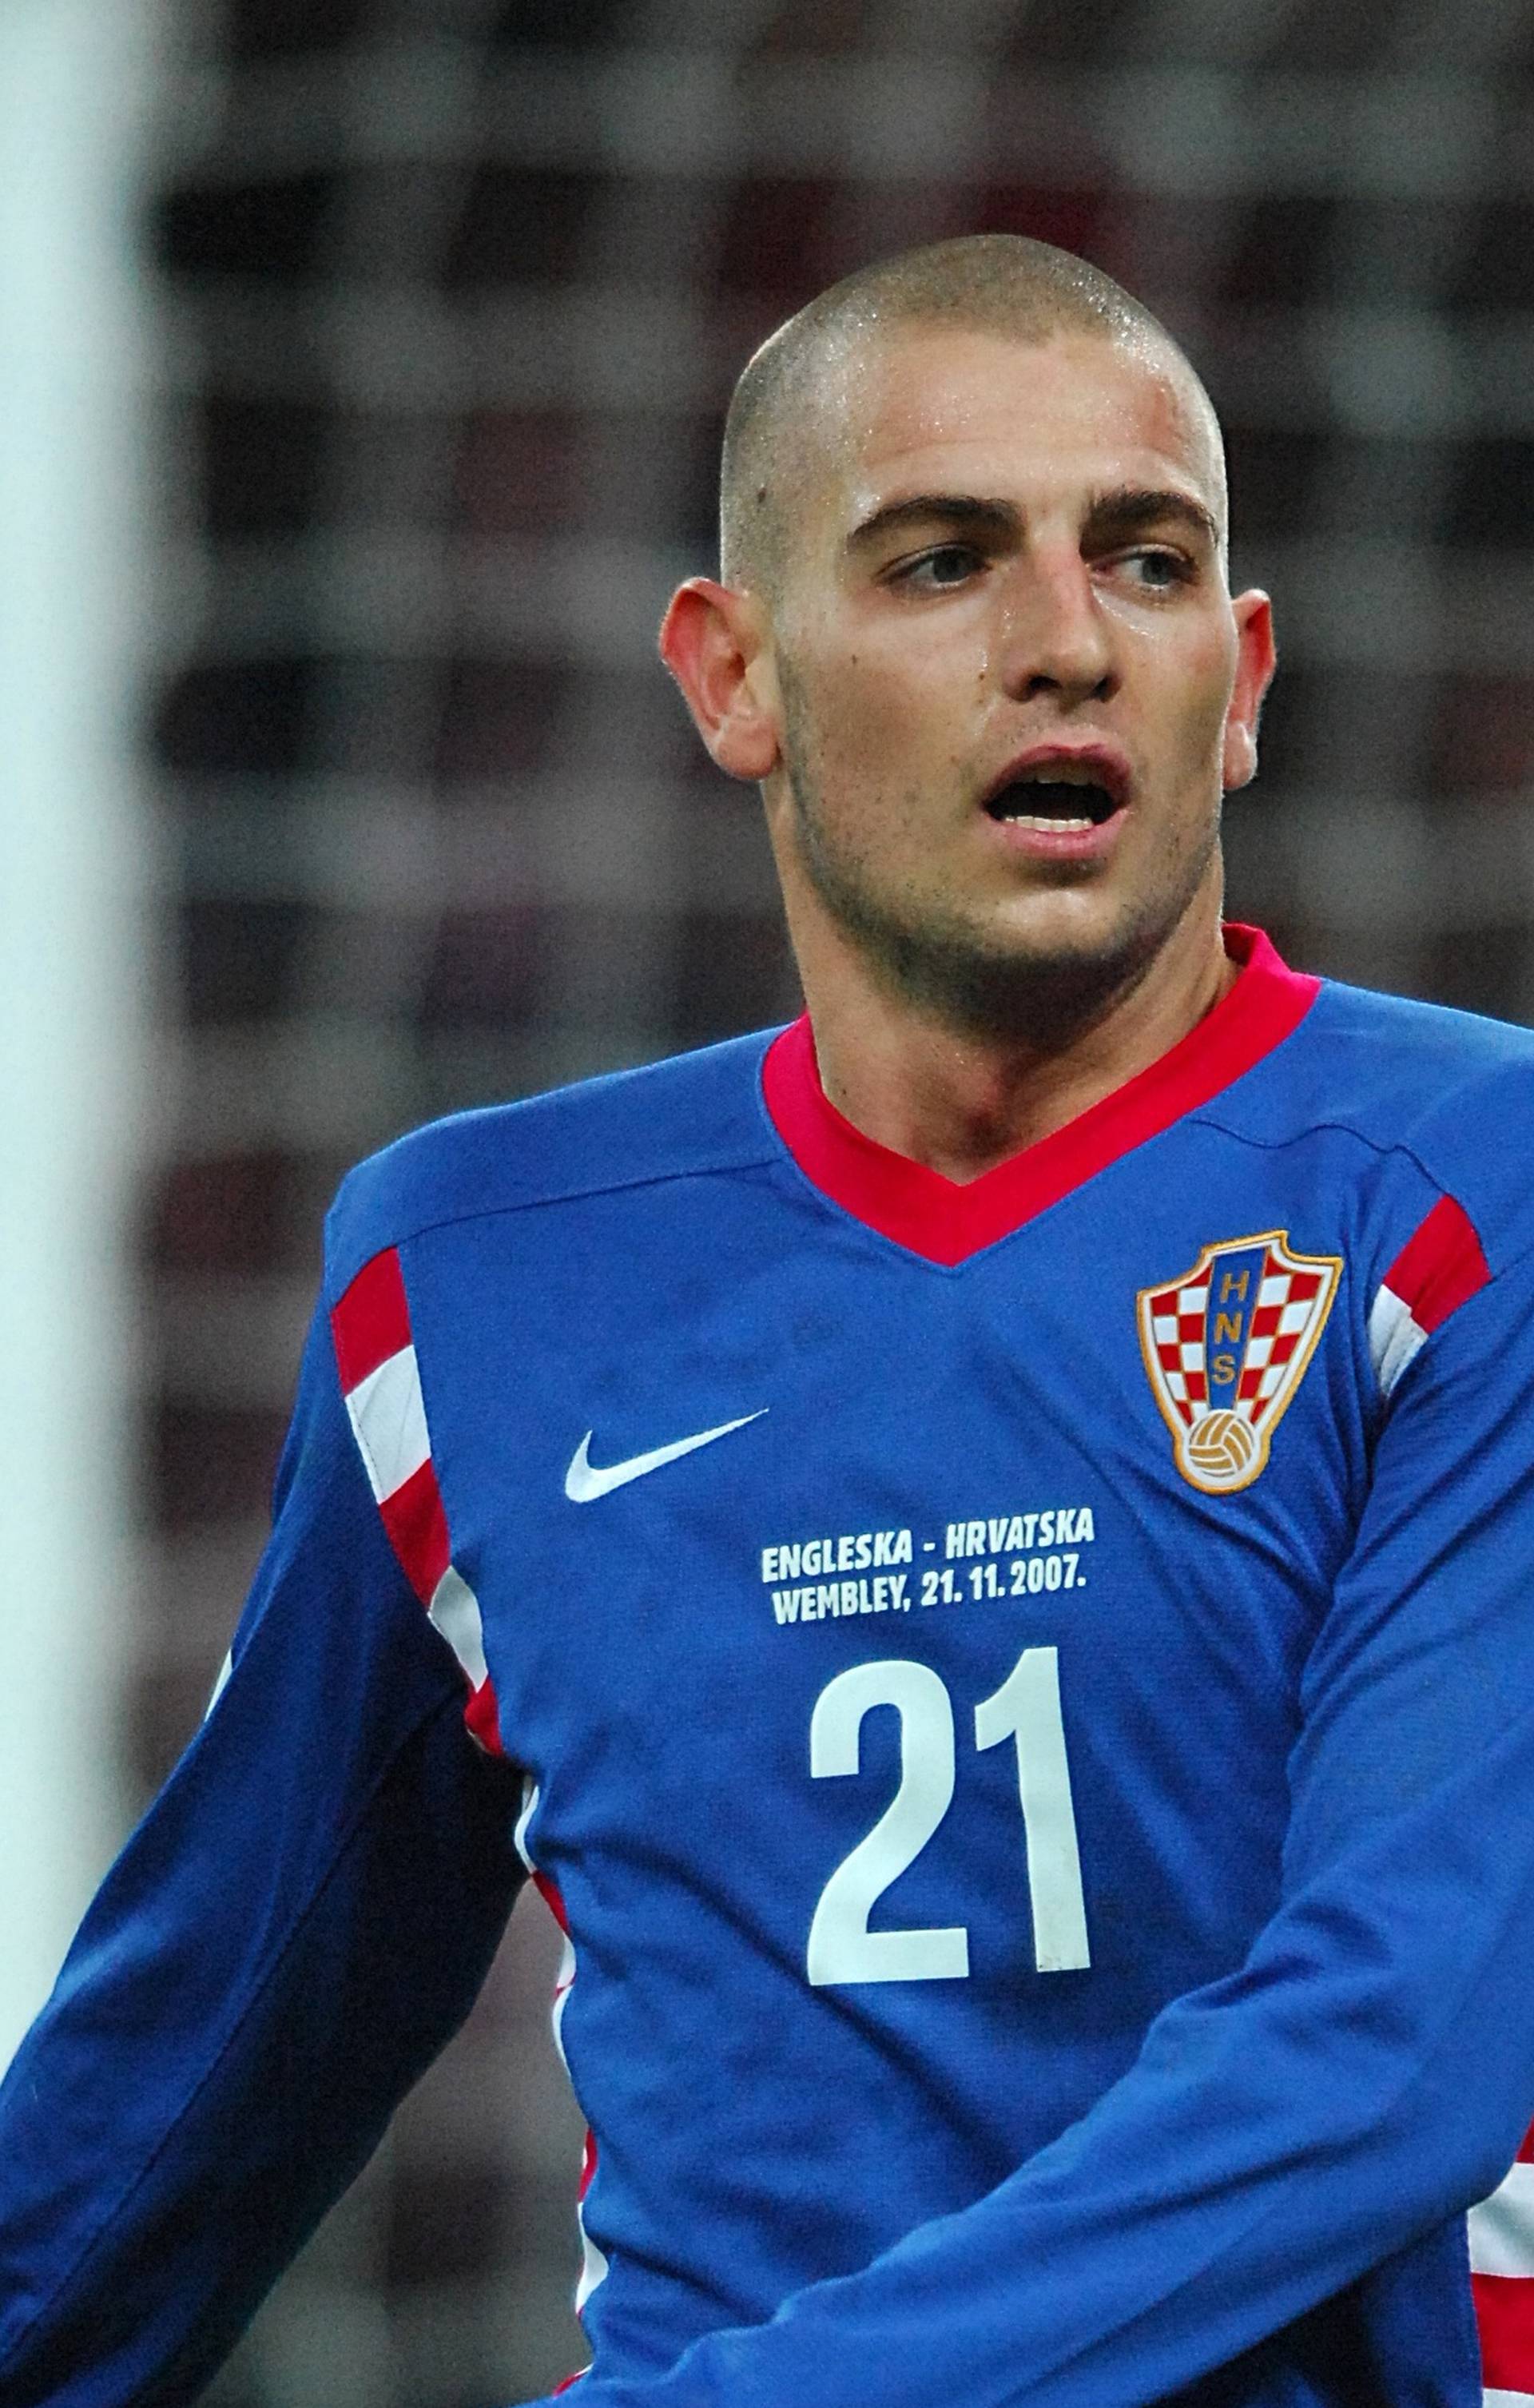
x=380, y=1381
x=1177, y=1333
x=1286, y=1306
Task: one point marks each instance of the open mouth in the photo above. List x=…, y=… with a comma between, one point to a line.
x=1051, y=802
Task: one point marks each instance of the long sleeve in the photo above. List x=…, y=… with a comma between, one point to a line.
x=300, y=1922
x=1363, y=2076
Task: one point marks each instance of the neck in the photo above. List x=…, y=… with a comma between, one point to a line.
x=961, y=1101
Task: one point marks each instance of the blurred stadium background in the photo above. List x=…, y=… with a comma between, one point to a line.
x=369, y=360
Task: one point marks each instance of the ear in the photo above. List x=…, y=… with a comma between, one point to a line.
x=1256, y=660
x=715, y=642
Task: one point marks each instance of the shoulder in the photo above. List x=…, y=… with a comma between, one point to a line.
x=1446, y=1096
x=1435, y=1109
x=695, y=1115
x=1394, y=1043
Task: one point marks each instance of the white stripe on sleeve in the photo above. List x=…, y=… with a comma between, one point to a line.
x=1394, y=1338
x=1501, y=2229
x=454, y=1610
x=389, y=1417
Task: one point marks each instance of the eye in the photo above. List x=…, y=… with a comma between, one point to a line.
x=937, y=570
x=1155, y=568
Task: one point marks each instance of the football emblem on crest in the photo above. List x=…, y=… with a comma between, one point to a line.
x=1226, y=1346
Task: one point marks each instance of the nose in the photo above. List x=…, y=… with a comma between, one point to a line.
x=1055, y=639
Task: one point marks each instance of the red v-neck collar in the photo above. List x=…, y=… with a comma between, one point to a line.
x=947, y=1220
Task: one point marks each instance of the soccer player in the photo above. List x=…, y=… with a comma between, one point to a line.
x=978, y=1548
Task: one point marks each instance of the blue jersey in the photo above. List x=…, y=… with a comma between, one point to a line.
x=1021, y=1697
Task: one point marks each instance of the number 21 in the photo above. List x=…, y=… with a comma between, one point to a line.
x=1026, y=1710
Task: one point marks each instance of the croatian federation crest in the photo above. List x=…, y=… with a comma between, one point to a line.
x=1225, y=1347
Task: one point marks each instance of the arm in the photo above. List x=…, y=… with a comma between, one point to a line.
x=1368, y=2070
x=298, y=1925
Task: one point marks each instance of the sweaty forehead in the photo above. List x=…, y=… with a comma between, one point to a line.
x=968, y=409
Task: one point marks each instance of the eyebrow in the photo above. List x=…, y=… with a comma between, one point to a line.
x=973, y=512
x=1127, y=511
x=1133, y=509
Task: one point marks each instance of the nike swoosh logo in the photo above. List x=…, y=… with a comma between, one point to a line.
x=586, y=1480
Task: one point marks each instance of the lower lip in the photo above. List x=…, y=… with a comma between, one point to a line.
x=1062, y=844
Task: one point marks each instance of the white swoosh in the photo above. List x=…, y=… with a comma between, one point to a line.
x=585, y=1480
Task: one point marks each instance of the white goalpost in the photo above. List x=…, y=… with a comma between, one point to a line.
x=78, y=79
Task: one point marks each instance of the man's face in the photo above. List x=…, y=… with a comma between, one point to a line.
x=1006, y=657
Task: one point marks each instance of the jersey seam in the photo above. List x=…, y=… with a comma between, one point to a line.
x=1382, y=1148
x=415, y=1230
x=126, y=2197
x=1375, y=1146
x=779, y=1154
x=777, y=1151
x=1383, y=1151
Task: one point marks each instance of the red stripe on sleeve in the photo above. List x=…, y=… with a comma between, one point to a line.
x=482, y=1718
x=1441, y=1268
x=372, y=1320
x=1505, y=2310
x=418, y=1529
x=553, y=1900
x=1525, y=2148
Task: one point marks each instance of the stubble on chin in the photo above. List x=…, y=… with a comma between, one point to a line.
x=1037, y=989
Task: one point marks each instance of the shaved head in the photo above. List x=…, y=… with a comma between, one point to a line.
x=794, y=403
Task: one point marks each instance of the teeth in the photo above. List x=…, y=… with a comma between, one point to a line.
x=1011, y=808
x=1032, y=820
